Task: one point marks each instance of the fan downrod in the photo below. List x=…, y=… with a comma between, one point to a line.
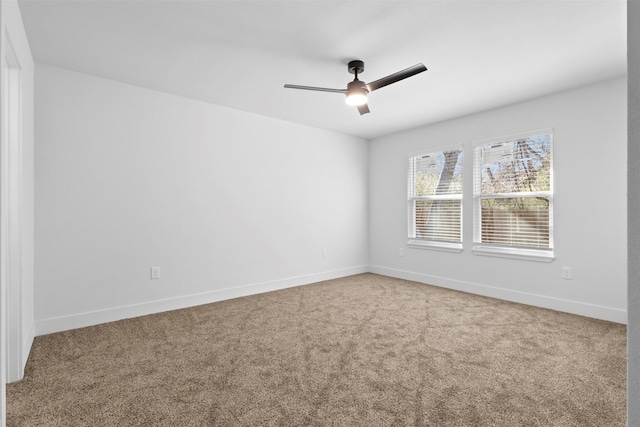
x=355, y=67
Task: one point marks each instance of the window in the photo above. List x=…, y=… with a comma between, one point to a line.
x=435, y=200
x=513, y=197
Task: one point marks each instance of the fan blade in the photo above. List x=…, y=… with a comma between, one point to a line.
x=396, y=77
x=317, y=89
x=363, y=109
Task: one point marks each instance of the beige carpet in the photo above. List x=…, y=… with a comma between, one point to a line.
x=365, y=350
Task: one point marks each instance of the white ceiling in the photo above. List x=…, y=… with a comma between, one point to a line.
x=239, y=54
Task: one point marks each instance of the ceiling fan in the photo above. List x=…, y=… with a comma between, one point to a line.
x=357, y=90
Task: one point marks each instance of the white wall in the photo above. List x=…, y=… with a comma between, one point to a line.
x=225, y=202
x=589, y=130
x=633, y=331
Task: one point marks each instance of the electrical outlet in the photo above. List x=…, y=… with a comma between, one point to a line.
x=567, y=273
x=324, y=253
x=155, y=273
x=401, y=251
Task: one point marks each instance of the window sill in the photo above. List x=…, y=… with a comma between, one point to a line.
x=514, y=253
x=436, y=246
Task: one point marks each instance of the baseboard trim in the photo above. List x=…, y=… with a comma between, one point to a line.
x=26, y=346
x=558, y=304
x=27, y=342
x=80, y=320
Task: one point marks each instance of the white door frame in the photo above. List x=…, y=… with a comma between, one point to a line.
x=3, y=246
x=12, y=368
x=13, y=149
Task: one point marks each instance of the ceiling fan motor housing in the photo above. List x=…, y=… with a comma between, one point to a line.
x=357, y=86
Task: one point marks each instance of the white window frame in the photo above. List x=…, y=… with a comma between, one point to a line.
x=504, y=251
x=417, y=243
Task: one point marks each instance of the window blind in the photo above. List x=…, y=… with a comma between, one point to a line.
x=435, y=196
x=513, y=197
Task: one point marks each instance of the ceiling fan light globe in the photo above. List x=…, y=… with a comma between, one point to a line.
x=356, y=99
x=356, y=93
